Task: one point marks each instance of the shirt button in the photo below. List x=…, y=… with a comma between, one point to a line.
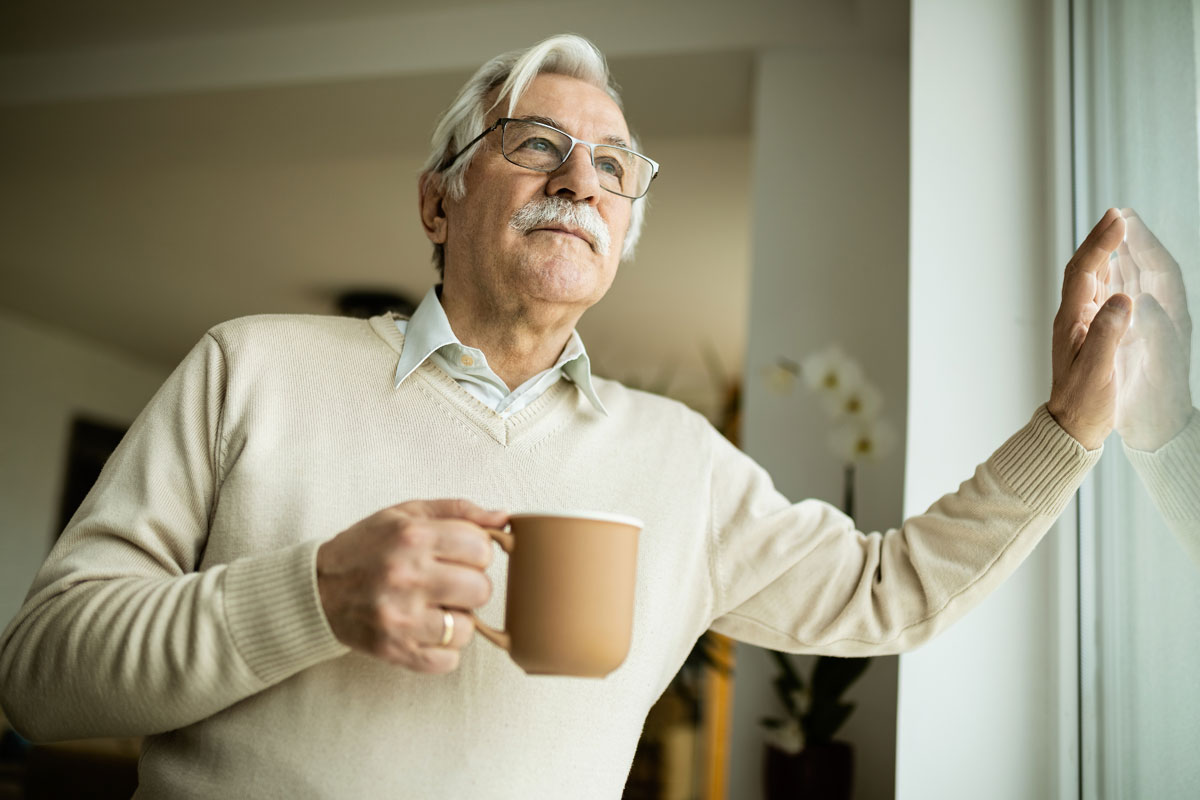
x=467, y=361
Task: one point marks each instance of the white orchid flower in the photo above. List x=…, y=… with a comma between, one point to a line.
x=831, y=372
x=862, y=440
x=788, y=737
x=862, y=402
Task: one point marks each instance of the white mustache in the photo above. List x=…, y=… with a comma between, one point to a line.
x=543, y=211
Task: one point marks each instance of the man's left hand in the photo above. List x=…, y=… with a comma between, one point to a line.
x=1087, y=329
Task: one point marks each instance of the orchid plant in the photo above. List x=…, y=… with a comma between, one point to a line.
x=857, y=432
x=814, y=709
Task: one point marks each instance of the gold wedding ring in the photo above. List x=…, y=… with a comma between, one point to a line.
x=447, y=628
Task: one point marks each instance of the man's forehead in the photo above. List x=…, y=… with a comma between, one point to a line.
x=572, y=105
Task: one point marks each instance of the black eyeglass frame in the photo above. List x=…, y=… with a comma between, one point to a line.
x=591, y=146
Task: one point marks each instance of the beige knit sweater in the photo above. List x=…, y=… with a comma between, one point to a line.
x=181, y=601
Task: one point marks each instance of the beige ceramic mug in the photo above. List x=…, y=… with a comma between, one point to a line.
x=571, y=578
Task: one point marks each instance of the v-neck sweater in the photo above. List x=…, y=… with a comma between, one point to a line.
x=181, y=602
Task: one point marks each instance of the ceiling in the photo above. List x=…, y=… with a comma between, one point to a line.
x=40, y=26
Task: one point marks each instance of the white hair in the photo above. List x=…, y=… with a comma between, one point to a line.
x=511, y=73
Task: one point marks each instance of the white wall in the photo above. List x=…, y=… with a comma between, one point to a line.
x=49, y=376
x=978, y=707
x=829, y=265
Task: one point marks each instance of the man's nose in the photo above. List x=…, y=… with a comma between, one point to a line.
x=576, y=178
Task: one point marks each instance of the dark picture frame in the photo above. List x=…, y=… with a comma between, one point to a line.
x=90, y=444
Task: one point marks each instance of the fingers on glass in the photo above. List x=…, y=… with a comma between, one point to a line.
x=1146, y=247
x=1127, y=271
x=1084, y=281
x=1157, y=271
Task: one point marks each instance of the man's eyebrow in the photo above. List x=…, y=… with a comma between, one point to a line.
x=553, y=123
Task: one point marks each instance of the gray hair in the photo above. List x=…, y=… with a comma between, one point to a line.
x=511, y=73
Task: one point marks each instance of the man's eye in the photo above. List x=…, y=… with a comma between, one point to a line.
x=610, y=166
x=539, y=145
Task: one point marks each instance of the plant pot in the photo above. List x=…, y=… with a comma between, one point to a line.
x=821, y=772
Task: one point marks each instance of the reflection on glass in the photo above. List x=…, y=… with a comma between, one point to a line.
x=1139, y=531
x=1141, y=590
x=1154, y=400
x=1154, y=408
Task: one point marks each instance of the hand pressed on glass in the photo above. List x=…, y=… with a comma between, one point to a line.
x=1154, y=399
x=1087, y=329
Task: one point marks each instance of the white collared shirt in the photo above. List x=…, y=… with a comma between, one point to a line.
x=427, y=335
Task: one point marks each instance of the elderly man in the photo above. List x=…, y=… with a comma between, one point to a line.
x=256, y=584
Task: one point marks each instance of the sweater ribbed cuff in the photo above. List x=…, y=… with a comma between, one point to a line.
x=1043, y=464
x=1169, y=472
x=275, y=615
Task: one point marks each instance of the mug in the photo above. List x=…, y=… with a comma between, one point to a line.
x=571, y=579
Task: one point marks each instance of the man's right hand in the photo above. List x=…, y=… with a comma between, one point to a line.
x=386, y=581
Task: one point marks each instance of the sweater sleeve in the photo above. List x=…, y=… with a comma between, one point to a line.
x=1171, y=475
x=120, y=634
x=800, y=578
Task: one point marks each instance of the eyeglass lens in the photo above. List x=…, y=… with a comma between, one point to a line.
x=540, y=147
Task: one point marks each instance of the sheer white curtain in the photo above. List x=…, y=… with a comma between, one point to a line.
x=1136, y=145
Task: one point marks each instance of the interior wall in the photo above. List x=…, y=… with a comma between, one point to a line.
x=830, y=241
x=50, y=376
x=978, y=705
x=305, y=226
x=689, y=283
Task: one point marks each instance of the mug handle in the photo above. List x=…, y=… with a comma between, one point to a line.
x=499, y=638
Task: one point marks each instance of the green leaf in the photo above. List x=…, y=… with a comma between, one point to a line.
x=823, y=722
x=833, y=676
x=788, y=669
x=783, y=688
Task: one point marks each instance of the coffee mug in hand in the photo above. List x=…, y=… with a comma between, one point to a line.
x=571, y=578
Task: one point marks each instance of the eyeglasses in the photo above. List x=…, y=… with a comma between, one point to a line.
x=543, y=148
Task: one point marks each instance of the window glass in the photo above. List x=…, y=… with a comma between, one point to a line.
x=1135, y=115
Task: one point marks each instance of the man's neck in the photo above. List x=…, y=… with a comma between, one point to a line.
x=519, y=342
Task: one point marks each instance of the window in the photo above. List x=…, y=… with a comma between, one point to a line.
x=1135, y=122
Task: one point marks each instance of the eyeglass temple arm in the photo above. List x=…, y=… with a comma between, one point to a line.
x=469, y=144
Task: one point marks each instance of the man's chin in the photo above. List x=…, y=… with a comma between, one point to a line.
x=565, y=280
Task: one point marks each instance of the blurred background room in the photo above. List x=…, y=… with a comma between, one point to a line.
x=901, y=180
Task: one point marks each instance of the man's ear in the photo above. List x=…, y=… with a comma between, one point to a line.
x=430, y=195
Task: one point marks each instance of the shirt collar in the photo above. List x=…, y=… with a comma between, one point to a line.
x=577, y=366
x=428, y=330
x=425, y=332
